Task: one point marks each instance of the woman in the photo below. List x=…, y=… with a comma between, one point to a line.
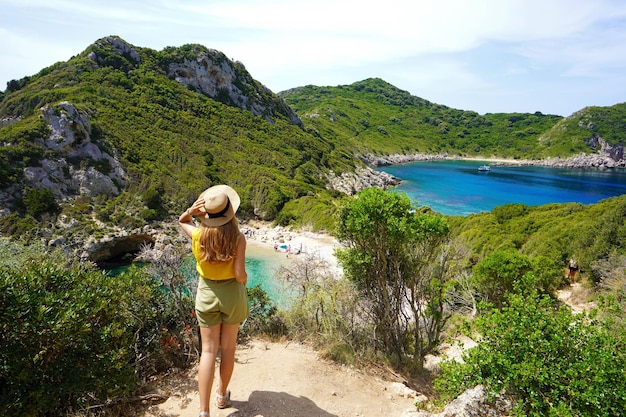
x=221, y=301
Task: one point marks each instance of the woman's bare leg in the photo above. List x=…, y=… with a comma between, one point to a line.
x=228, y=344
x=206, y=369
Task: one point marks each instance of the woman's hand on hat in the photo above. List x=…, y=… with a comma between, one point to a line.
x=197, y=208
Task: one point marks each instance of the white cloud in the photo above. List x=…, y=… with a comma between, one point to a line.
x=445, y=46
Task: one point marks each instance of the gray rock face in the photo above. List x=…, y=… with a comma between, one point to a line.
x=114, y=247
x=213, y=74
x=70, y=171
x=353, y=182
x=119, y=46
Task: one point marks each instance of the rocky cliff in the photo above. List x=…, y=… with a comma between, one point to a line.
x=209, y=72
x=73, y=163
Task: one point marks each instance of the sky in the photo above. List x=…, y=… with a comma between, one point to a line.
x=488, y=56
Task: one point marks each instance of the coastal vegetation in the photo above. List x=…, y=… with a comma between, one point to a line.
x=75, y=337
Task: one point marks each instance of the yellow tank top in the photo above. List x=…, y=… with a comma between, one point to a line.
x=211, y=270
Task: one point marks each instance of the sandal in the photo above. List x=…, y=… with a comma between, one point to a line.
x=223, y=401
x=204, y=414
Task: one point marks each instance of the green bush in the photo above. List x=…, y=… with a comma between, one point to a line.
x=264, y=318
x=553, y=362
x=499, y=273
x=72, y=335
x=39, y=201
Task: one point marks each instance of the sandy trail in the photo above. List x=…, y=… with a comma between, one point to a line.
x=289, y=380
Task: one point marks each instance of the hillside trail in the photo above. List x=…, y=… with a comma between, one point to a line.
x=283, y=379
x=287, y=379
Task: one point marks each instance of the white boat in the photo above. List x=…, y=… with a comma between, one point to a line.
x=484, y=168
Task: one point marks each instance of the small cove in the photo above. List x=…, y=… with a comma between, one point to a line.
x=458, y=188
x=262, y=265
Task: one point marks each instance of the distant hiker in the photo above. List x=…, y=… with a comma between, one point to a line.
x=573, y=268
x=221, y=300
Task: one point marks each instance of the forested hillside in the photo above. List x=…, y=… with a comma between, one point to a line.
x=166, y=124
x=170, y=136
x=374, y=116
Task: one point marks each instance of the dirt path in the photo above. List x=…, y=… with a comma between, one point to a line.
x=576, y=296
x=288, y=380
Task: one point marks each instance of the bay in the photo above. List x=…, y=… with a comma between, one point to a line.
x=457, y=188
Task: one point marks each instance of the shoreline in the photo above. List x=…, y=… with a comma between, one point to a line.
x=285, y=244
x=602, y=159
x=493, y=160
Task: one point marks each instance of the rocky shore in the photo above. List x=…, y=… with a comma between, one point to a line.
x=602, y=159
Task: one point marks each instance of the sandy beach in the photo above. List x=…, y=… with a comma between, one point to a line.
x=496, y=161
x=285, y=244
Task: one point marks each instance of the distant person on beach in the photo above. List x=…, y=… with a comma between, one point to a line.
x=221, y=300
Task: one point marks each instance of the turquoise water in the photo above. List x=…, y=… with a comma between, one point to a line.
x=262, y=265
x=457, y=188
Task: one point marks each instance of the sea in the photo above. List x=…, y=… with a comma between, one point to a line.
x=458, y=188
x=263, y=265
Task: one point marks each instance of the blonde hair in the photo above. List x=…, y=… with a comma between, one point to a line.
x=219, y=244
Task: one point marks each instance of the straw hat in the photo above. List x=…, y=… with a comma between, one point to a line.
x=221, y=203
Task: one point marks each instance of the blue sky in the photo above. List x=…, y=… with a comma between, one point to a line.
x=553, y=56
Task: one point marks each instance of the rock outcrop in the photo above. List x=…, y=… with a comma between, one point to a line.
x=74, y=165
x=472, y=403
x=118, y=46
x=213, y=74
x=362, y=178
x=384, y=160
x=122, y=247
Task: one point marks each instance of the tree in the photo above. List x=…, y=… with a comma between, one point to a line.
x=388, y=254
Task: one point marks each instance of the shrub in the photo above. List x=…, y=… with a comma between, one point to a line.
x=39, y=201
x=264, y=318
x=72, y=335
x=555, y=363
x=501, y=271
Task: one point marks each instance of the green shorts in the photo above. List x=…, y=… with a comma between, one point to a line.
x=224, y=301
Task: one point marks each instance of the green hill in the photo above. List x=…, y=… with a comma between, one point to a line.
x=170, y=136
x=124, y=136
x=374, y=116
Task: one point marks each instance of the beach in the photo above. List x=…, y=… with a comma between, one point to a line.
x=281, y=244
